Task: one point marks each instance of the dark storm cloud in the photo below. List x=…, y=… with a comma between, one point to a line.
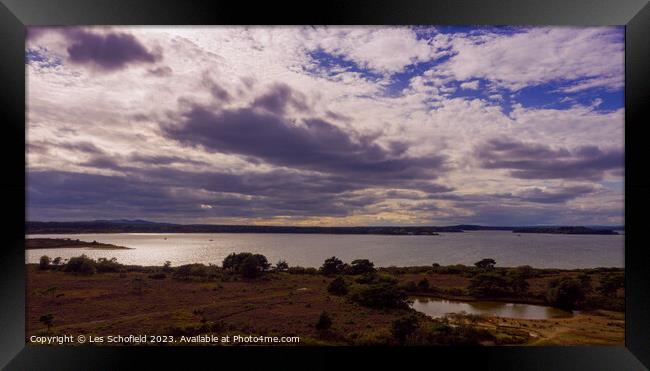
x=86, y=147
x=110, y=51
x=313, y=145
x=536, y=161
x=248, y=195
x=161, y=159
x=279, y=97
x=538, y=195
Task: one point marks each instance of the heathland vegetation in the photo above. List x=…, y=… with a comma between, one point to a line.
x=338, y=303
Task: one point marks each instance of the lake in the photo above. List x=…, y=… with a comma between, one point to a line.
x=439, y=307
x=310, y=250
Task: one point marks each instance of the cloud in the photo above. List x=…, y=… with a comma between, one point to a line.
x=470, y=85
x=384, y=50
x=338, y=125
x=539, y=55
x=539, y=195
x=538, y=161
x=279, y=97
x=108, y=52
x=311, y=144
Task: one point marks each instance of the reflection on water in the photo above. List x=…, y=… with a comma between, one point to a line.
x=434, y=307
x=310, y=250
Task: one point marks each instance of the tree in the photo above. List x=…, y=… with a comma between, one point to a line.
x=251, y=267
x=489, y=284
x=282, y=266
x=381, y=295
x=362, y=266
x=338, y=286
x=423, y=285
x=81, y=264
x=610, y=284
x=324, y=322
x=44, y=262
x=402, y=328
x=518, y=282
x=332, y=265
x=486, y=264
x=47, y=320
x=248, y=264
x=57, y=260
x=565, y=292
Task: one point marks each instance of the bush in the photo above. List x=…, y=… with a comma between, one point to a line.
x=302, y=270
x=489, y=285
x=565, y=292
x=47, y=320
x=404, y=327
x=324, y=321
x=485, y=264
x=189, y=271
x=610, y=283
x=247, y=264
x=281, y=266
x=361, y=266
x=81, y=264
x=333, y=265
x=158, y=276
x=338, y=287
x=106, y=265
x=381, y=295
x=44, y=262
x=423, y=285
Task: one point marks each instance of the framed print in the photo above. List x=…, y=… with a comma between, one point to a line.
x=457, y=182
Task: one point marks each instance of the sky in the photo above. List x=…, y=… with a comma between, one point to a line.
x=326, y=125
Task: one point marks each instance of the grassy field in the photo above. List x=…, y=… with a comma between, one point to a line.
x=140, y=300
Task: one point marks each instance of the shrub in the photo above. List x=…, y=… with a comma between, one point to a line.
x=489, y=285
x=361, y=266
x=158, y=276
x=381, y=295
x=518, y=283
x=247, y=264
x=302, y=270
x=403, y=327
x=44, y=262
x=565, y=292
x=81, y=264
x=281, y=266
x=47, y=320
x=324, y=321
x=410, y=286
x=525, y=271
x=108, y=265
x=610, y=283
x=485, y=264
x=423, y=285
x=189, y=271
x=338, y=287
x=333, y=265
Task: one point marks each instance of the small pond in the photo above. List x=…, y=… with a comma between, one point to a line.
x=435, y=307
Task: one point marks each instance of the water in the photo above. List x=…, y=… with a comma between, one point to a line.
x=439, y=307
x=310, y=250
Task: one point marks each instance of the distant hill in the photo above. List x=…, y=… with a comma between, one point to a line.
x=144, y=226
x=564, y=230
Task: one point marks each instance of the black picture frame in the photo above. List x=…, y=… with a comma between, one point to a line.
x=16, y=14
